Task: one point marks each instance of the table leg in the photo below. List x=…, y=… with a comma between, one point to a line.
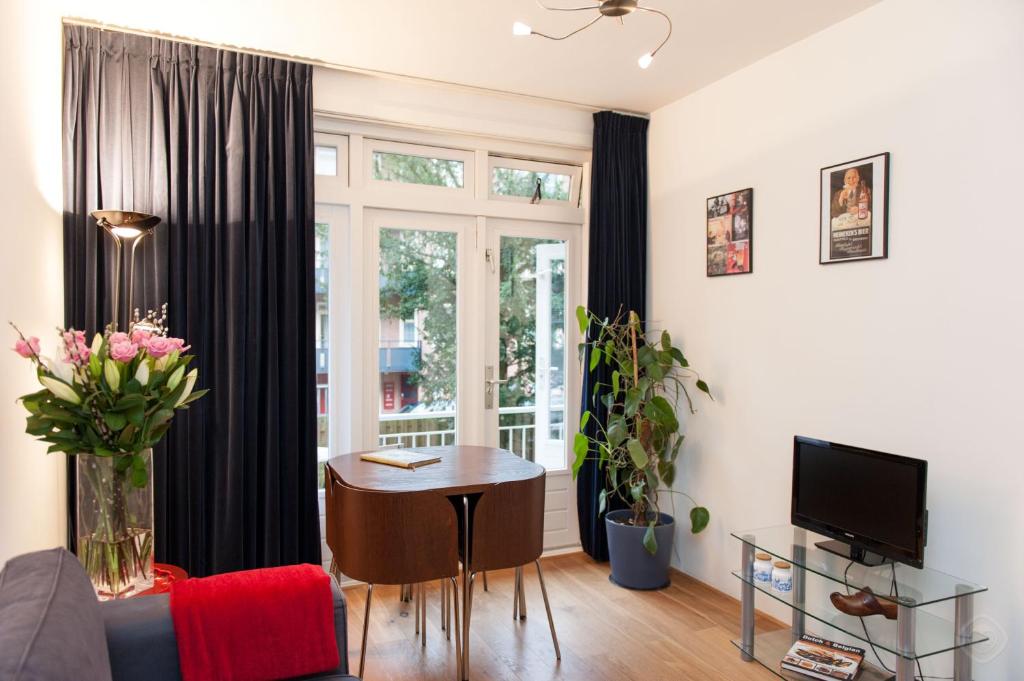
x=465, y=589
x=453, y=589
x=906, y=616
x=963, y=630
x=747, y=600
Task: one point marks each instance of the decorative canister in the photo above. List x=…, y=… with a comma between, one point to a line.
x=782, y=577
x=762, y=568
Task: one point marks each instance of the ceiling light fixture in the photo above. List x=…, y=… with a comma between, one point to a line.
x=615, y=9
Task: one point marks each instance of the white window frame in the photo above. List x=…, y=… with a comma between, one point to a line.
x=325, y=185
x=467, y=159
x=575, y=174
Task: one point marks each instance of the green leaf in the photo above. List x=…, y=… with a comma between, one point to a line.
x=667, y=472
x=193, y=397
x=615, y=383
x=136, y=416
x=666, y=340
x=123, y=463
x=677, y=355
x=637, y=453
x=650, y=541
x=583, y=319
x=139, y=477
x=175, y=378
x=617, y=430
x=580, y=447
x=161, y=417
x=602, y=501
x=595, y=358
x=584, y=419
x=95, y=366
x=702, y=386
x=661, y=412
x=115, y=420
x=133, y=387
x=609, y=352
x=699, y=519
x=633, y=397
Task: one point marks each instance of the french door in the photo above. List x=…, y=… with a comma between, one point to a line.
x=471, y=318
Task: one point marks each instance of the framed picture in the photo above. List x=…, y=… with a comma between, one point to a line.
x=855, y=210
x=731, y=233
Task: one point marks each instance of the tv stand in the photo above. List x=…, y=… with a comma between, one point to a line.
x=915, y=634
x=854, y=553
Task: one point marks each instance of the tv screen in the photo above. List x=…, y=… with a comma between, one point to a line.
x=868, y=499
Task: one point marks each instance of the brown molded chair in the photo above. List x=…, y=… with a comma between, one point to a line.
x=508, y=532
x=389, y=538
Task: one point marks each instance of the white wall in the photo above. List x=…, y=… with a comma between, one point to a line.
x=919, y=354
x=31, y=484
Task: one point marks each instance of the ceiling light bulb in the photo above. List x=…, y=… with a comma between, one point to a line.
x=519, y=28
x=126, y=232
x=645, y=60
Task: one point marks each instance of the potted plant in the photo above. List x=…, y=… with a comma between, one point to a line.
x=108, y=403
x=638, y=442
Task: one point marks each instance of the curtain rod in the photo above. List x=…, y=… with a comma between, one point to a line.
x=477, y=89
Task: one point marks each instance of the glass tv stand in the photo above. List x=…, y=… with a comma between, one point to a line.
x=916, y=634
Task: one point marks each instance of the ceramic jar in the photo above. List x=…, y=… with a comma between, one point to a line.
x=762, y=568
x=782, y=576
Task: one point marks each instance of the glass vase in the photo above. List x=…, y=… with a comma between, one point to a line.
x=115, y=526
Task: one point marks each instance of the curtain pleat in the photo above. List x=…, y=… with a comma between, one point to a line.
x=617, y=280
x=219, y=145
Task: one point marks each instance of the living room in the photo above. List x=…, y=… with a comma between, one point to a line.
x=510, y=248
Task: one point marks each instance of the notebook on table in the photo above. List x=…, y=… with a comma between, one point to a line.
x=402, y=458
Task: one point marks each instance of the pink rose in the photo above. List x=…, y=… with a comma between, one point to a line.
x=179, y=344
x=158, y=346
x=118, y=337
x=141, y=337
x=27, y=348
x=123, y=351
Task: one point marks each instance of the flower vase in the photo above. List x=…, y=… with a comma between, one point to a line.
x=115, y=525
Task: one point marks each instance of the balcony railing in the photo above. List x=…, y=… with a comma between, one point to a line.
x=516, y=430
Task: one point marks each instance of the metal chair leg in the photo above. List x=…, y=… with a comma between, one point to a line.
x=366, y=629
x=547, y=606
x=485, y=581
x=517, y=580
x=454, y=589
x=423, y=613
x=416, y=606
x=522, y=594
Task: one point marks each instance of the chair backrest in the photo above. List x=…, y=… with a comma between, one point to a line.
x=391, y=537
x=508, y=525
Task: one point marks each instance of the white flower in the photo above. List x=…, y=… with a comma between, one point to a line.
x=97, y=343
x=190, y=382
x=142, y=373
x=60, y=369
x=60, y=389
x=112, y=374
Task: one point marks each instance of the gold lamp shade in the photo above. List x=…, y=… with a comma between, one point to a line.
x=125, y=224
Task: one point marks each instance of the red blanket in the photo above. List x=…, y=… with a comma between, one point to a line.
x=256, y=625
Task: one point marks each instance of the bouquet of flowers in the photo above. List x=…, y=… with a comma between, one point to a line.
x=109, y=402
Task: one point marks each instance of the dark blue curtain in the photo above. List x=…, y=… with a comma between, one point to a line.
x=617, y=275
x=219, y=145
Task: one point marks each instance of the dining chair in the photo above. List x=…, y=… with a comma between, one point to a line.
x=507, y=529
x=393, y=538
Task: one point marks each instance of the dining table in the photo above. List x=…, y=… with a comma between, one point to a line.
x=463, y=474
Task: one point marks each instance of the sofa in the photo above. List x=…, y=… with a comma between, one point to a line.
x=53, y=628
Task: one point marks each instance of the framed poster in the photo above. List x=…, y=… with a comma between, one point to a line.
x=855, y=210
x=731, y=233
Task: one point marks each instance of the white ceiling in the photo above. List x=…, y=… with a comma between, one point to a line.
x=471, y=42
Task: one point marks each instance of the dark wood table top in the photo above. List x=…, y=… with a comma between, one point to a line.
x=463, y=469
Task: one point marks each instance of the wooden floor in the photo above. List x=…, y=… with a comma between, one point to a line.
x=681, y=633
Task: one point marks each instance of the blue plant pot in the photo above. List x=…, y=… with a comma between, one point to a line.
x=632, y=566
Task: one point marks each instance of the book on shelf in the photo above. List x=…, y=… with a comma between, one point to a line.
x=402, y=458
x=817, y=658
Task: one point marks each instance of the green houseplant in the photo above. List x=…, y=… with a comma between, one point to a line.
x=638, y=443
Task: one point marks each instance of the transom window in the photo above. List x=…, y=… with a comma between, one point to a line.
x=534, y=181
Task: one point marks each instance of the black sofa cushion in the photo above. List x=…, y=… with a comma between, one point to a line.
x=51, y=628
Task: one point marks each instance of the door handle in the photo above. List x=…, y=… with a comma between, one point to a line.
x=489, y=383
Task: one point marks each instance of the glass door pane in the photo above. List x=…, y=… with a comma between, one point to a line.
x=417, y=357
x=532, y=349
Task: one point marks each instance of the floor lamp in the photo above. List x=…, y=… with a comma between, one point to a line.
x=128, y=230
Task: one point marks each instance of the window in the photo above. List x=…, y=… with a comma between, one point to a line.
x=322, y=278
x=409, y=331
x=520, y=180
x=422, y=167
x=325, y=160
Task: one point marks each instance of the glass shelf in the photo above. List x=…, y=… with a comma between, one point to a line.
x=771, y=647
x=933, y=634
x=911, y=586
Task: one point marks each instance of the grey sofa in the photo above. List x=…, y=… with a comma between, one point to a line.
x=52, y=627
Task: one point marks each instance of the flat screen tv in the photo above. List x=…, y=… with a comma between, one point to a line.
x=870, y=503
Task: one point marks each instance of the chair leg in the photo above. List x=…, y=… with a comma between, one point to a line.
x=423, y=613
x=522, y=594
x=517, y=581
x=466, y=635
x=547, y=606
x=366, y=628
x=454, y=589
x=416, y=606
x=485, y=581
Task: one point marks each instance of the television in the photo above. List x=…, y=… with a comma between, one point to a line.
x=870, y=503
